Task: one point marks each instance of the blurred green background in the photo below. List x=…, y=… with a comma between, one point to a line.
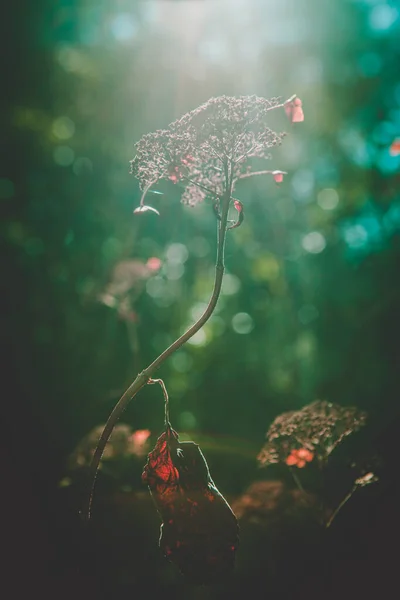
x=309, y=307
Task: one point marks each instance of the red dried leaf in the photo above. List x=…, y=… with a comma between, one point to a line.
x=199, y=531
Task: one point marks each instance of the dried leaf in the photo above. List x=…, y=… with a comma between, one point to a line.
x=199, y=531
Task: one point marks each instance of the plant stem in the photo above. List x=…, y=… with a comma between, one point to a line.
x=297, y=480
x=145, y=375
x=166, y=398
x=254, y=173
x=343, y=502
x=202, y=187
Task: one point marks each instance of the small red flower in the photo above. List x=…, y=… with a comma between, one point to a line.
x=299, y=458
x=294, y=111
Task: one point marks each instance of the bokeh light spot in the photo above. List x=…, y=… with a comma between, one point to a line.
x=386, y=162
x=177, y=253
x=358, y=150
x=266, y=268
x=199, y=338
x=314, y=242
x=305, y=345
x=328, y=199
x=181, y=361
x=382, y=17
x=63, y=156
x=187, y=420
x=384, y=132
x=242, y=323
x=155, y=287
x=303, y=185
x=174, y=271
x=75, y=61
x=355, y=236
x=230, y=285
x=197, y=310
x=124, y=27
x=63, y=128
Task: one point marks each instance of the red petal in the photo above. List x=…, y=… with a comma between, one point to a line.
x=291, y=460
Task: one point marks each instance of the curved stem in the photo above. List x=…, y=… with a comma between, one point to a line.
x=146, y=189
x=166, y=399
x=343, y=502
x=145, y=375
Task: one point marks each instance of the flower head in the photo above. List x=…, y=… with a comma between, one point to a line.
x=317, y=428
x=123, y=442
x=194, y=150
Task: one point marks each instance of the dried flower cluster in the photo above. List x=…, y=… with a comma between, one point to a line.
x=315, y=430
x=126, y=283
x=123, y=442
x=211, y=144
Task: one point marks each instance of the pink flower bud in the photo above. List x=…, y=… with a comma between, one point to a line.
x=238, y=205
x=294, y=110
x=278, y=176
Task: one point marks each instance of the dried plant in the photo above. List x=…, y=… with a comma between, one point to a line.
x=195, y=150
x=122, y=442
x=313, y=431
x=310, y=435
x=205, y=152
